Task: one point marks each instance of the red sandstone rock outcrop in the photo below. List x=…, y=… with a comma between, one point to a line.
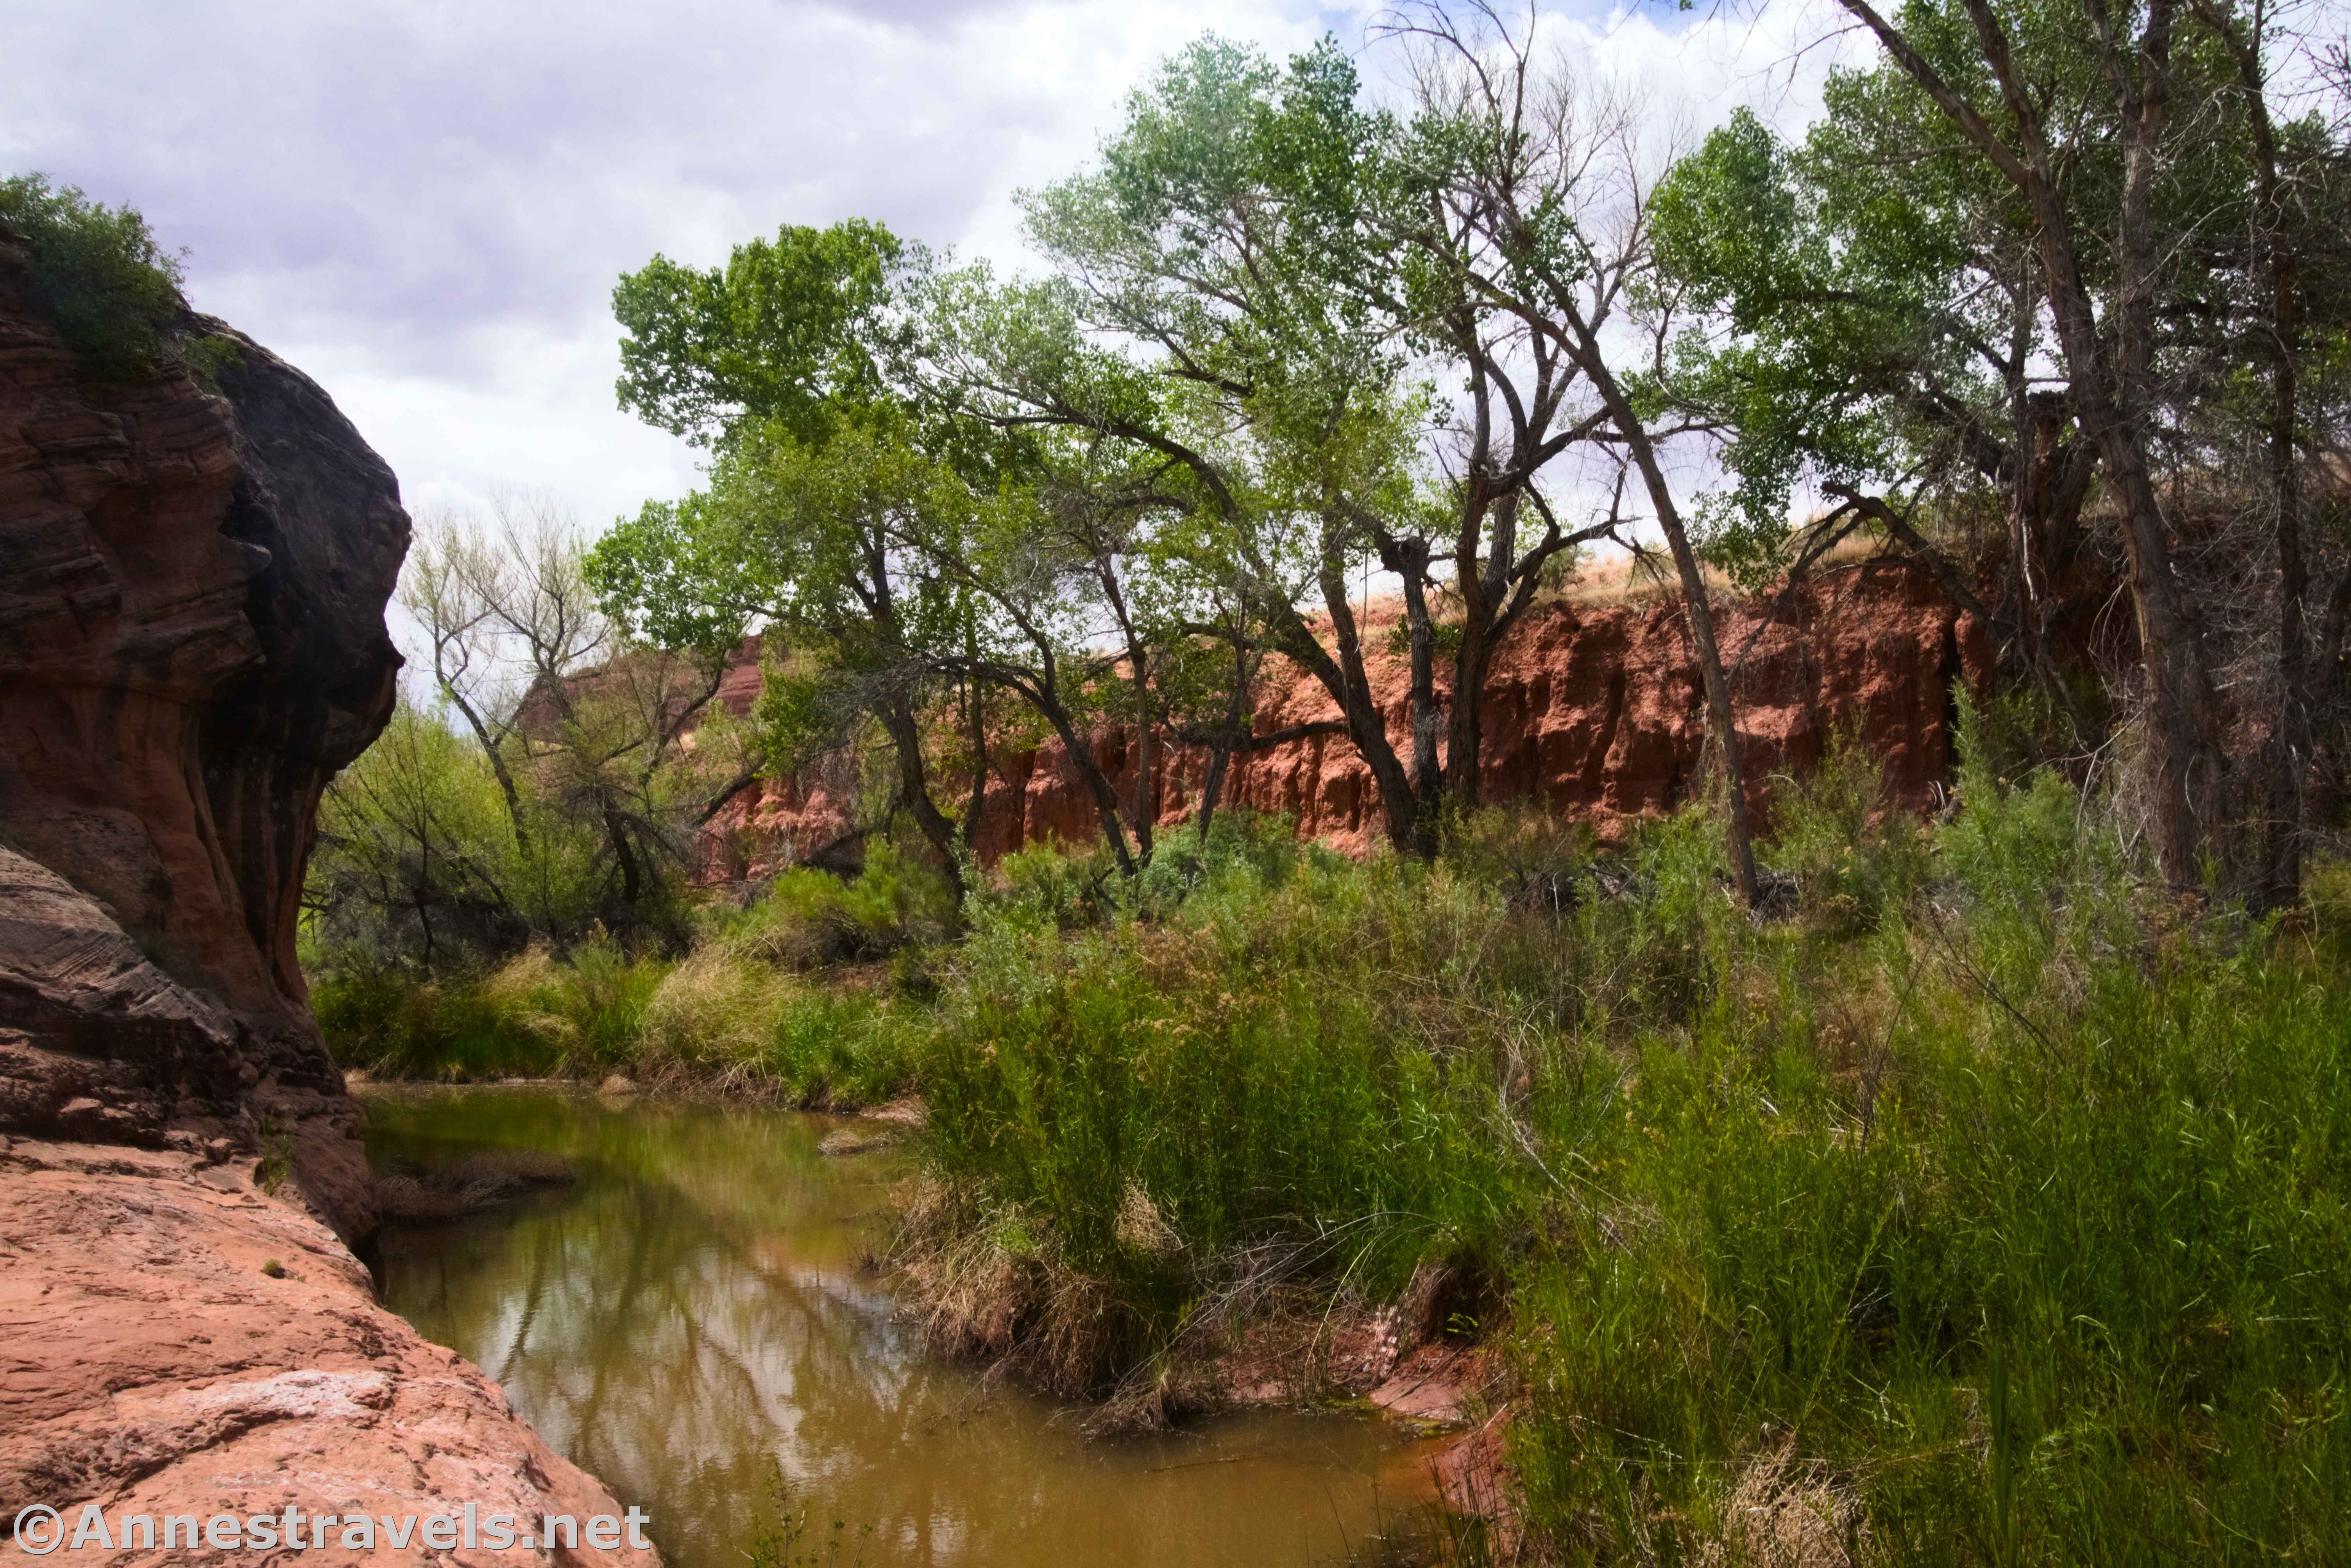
x=1596, y=711
x=192, y=642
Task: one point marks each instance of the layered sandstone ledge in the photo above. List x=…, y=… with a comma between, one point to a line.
x=192, y=581
x=154, y=1364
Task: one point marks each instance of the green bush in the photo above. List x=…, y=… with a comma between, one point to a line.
x=808, y=916
x=534, y=1016
x=1047, y=887
x=112, y=290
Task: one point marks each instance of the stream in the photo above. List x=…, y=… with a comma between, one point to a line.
x=690, y=1314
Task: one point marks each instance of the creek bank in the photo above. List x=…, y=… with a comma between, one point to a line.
x=1399, y=1360
x=700, y=1304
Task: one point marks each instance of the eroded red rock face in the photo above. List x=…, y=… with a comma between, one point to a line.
x=192, y=642
x=1597, y=713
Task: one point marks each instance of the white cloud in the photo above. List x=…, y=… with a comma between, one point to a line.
x=425, y=205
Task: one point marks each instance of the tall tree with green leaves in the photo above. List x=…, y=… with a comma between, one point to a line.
x=2018, y=84
x=1296, y=297
x=859, y=510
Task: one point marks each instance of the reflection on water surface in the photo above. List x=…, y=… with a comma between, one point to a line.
x=690, y=1310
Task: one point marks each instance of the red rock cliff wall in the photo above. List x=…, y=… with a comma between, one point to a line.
x=1595, y=711
x=192, y=642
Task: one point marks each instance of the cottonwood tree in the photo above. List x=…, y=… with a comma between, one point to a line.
x=822, y=546
x=2018, y=271
x=2030, y=241
x=856, y=486
x=1293, y=292
x=1867, y=322
x=2009, y=85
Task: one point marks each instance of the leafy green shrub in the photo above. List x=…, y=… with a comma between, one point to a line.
x=112, y=290
x=808, y=916
x=1051, y=888
x=1247, y=853
x=1856, y=861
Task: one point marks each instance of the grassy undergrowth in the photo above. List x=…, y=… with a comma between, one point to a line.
x=1991, y=1210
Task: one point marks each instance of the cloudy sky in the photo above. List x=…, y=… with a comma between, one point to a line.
x=425, y=205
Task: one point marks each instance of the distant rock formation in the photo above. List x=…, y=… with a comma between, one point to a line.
x=1594, y=711
x=192, y=642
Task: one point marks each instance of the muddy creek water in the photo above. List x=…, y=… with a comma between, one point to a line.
x=690, y=1313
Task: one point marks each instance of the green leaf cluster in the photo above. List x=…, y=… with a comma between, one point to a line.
x=97, y=271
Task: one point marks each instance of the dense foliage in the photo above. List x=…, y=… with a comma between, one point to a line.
x=1767, y=1210
x=112, y=291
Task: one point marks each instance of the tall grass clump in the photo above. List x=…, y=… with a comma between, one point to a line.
x=735, y=1021
x=533, y=1016
x=2007, y=1229
x=1269, y=1067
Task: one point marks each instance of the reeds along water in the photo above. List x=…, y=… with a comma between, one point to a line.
x=1772, y=1205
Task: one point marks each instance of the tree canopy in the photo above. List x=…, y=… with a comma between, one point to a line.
x=2022, y=312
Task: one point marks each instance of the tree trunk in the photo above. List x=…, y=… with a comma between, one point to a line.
x=1098, y=785
x=905, y=733
x=1344, y=678
x=2291, y=741
x=977, y=715
x=498, y=760
x=1220, y=756
x=1721, y=717
x=1739, y=838
x=624, y=855
x=2109, y=390
x=1409, y=561
x=1465, y=737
